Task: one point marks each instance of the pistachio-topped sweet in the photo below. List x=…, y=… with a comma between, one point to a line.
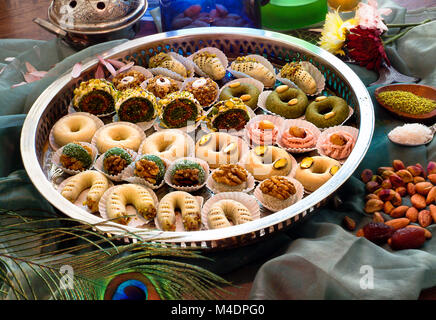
x=115, y=160
x=96, y=96
x=136, y=105
x=231, y=114
x=151, y=168
x=76, y=156
x=179, y=110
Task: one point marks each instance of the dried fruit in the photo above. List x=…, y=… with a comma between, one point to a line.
x=370, y=186
x=307, y=163
x=388, y=207
x=427, y=232
x=371, y=196
x=424, y=218
x=377, y=232
x=282, y=88
x=397, y=200
x=386, y=184
x=423, y=188
x=431, y=168
x=266, y=125
x=377, y=217
x=432, y=178
x=412, y=214
x=399, y=212
x=373, y=205
x=407, y=238
x=349, y=223
x=418, y=201
x=424, y=174
x=380, y=170
x=411, y=190
x=386, y=194
x=396, y=180
x=398, y=165
x=415, y=170
x=405, y=175
x=418, y=179
x=432, y=208
x=398, y=223
x=401, y=191
x=431, y=196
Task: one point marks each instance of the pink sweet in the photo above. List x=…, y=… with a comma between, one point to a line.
x=290, y=141
x=260, y=136
x=337, y=151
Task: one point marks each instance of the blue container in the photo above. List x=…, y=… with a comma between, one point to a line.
x=183, y=14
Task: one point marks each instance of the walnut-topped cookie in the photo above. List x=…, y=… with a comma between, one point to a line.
x=230, y=174
x=278, y=187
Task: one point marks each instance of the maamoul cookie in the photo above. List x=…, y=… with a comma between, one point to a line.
x=223, y=210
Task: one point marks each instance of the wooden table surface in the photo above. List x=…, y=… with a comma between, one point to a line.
x=16, y=22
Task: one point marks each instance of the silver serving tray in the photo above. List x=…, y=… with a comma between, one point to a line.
x=279, y=49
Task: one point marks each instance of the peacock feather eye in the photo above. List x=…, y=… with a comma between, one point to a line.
x=130, y=286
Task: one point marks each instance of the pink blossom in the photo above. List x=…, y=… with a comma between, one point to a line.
x=369, y=16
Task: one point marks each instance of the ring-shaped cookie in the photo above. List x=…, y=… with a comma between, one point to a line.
x=329, y=112
x=118, y=134
x=183, y=202
x=76, y=127
x=220, y=148
x=243, y=89
x=223, y=210
x=170, y=144
x=283, y=103
x=319, y=172
x=94, y=180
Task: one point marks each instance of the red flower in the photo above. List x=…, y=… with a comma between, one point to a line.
x=366, y=48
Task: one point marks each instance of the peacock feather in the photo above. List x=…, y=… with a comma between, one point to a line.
x=61, y=258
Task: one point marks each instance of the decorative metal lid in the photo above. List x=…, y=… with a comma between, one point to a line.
x=95, y=16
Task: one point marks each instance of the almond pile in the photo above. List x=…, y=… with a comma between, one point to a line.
x=402, y=201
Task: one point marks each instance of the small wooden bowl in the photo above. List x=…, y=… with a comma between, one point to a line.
x=418, y=89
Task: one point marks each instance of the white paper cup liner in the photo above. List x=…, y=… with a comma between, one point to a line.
x=313, y=71
x=277, y=121
x=145, y=125
x=189, y=65
x=188, y=80
x=239, y=133
x=144, y=85
x=97, y=121
x=98, y=165
x=275, y=205
x=262, y=104
x=301, y=124
x=241, y=197
x=220, y=55
x=179, y=221
x=96, y=136
x=188, y=140
x=216, y=188
x=291, y=173
x=57, y=155
x=351, y=130
x=82, y=196
x=259, y=59
x=202, y=163
x=129, y=175
x=136, y=220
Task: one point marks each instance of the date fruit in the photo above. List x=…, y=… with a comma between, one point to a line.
x=377, y=232
x=407, y=238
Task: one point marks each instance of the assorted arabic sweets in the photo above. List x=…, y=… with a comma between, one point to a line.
x=179, y=110
x=136, y=163
x=161, y=86
x=76, y=156
x=402, y=201
x=290, y=103
x=136, y=105
x=96, y=96
x=230, y=114
x=327, y=112
x=205, y=90
x=247, y=92
x=130, y=79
